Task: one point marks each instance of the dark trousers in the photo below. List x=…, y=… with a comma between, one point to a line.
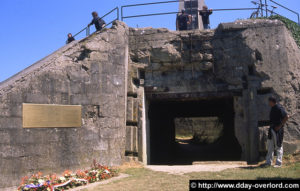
x=183, y=28
x=279, y=135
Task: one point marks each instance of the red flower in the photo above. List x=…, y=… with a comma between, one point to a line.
x=67, y=173
x=39, y=174
x=53, y=177
x=24, y=179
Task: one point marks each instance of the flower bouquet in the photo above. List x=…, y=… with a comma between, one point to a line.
x=52, y=182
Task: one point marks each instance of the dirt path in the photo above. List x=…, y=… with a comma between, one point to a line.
x=198, y=167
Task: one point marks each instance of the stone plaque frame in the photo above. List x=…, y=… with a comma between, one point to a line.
x=51, y=116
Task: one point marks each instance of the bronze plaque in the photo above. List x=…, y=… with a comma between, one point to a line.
x=51, y=116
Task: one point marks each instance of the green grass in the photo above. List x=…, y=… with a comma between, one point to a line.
x=253, y=173
x=144, y=179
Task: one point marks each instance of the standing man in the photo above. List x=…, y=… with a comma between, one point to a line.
x=205, y=16
x=278, y=118
x=183, y=20
x=97, y=21
x=70, y=38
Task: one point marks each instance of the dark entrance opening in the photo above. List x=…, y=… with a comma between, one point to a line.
x=166, y=149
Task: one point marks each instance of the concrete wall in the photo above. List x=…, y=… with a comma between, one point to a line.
x=174, y=61
x=263, y=58
x=91, y=73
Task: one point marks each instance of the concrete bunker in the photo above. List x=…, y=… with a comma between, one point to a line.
x=163, y=115
x=134, y=87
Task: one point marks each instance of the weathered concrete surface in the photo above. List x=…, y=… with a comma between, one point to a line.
x=248, y=60
x=91, y=73
x=264, y=57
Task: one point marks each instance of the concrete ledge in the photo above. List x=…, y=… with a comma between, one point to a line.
x=249, y=23
x=220, y=162
x=15, y=188
x=95, y=184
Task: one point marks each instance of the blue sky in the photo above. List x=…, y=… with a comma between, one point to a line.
x=32, y=29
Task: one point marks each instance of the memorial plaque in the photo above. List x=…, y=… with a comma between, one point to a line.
x=51, y=116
